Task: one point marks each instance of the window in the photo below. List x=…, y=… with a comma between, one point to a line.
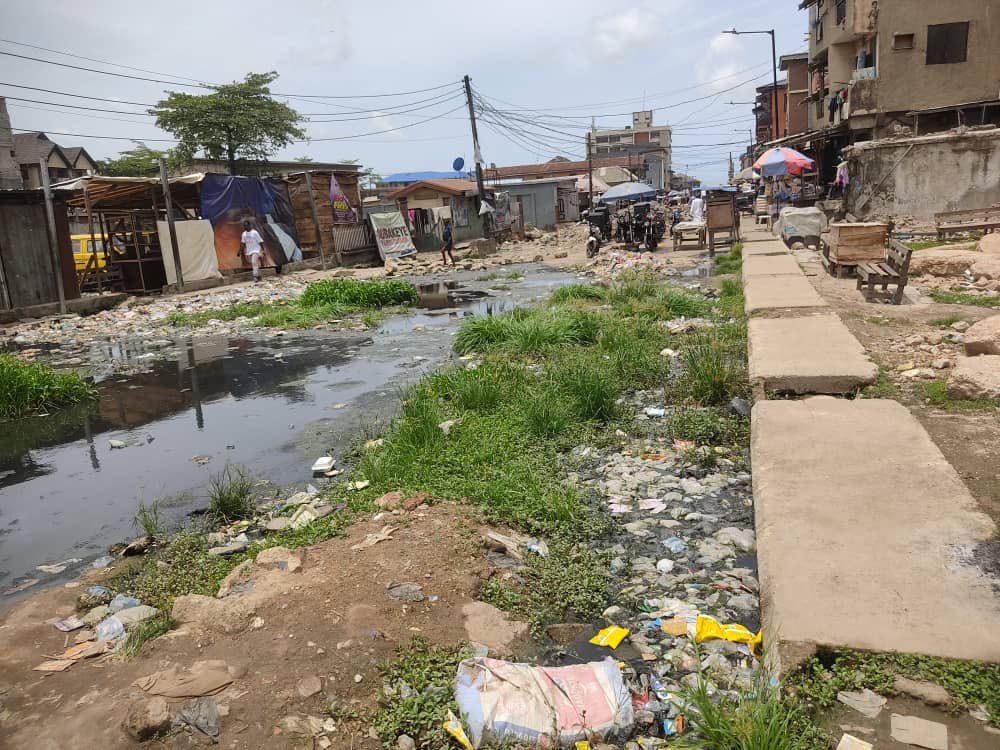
x=902, y=41
x=947, y=43
x=841, y=12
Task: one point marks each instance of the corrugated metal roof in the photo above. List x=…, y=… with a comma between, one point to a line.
x=451, y=187
x=411, y=177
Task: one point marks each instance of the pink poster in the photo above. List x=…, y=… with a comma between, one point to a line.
x=343, y=213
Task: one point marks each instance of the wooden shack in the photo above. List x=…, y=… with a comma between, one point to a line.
x=319, y=234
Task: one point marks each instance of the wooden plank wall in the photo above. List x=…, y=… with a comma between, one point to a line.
x=25, y=254
x=299, y=196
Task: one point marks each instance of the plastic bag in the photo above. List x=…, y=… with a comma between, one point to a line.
x=543, y=707
x=610, y=637
x=708, y=628
x=123, y=602
x=108, y=629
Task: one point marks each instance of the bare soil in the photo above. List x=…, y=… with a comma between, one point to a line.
x=332, y=619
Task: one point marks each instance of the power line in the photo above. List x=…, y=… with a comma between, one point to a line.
x=103, y=137
x=84, y=114
x=78, y=96
x=104, y=72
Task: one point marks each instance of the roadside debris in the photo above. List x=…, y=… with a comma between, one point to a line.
x=371, y=540
x=406, y=591
x=865, y=702
x=850, y=742
x=912, y=730
x=201, y=678
x=201, y=714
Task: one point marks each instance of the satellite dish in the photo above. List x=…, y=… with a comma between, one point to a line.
x=458, y=164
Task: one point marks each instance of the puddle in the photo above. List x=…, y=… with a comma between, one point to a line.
x=270, y=403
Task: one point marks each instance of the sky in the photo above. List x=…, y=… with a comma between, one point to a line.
x=542, y=68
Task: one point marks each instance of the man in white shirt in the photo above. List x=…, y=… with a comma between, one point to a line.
x=250, y=244
x=698, y=208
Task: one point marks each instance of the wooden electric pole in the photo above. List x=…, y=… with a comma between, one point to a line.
x=171, y=229
x=590, y=168
x=476, y=154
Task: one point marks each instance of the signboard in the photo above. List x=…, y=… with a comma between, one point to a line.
x=392, y=236
x=343, y=213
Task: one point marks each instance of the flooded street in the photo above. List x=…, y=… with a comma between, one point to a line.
x=271, y=403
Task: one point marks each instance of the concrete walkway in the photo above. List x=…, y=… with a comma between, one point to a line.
x=770, y=265
x=814, y=354
x=866, y=534
x=765, y=293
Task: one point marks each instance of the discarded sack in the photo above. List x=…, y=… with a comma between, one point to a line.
x=708, y=628
x=543, y=707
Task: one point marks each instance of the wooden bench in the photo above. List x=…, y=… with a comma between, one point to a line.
x=952, y=222
x=874, y=279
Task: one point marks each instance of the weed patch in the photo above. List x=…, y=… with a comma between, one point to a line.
x=363, y=294
x=144, y=631
x=947, y=321
x=417, y=693
x=498, y=275
x=715, y=367
x=731, y=262
x=230, y=494
x=936, y=393
x=883, y=387
x=28, y=386
x=569, y=292
x=961, y=298
x=707, y=426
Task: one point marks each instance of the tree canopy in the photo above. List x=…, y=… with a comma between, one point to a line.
x=237, y=122
x=138, y=161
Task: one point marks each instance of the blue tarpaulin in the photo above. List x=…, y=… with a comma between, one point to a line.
x=411, y=177
x=628, y=191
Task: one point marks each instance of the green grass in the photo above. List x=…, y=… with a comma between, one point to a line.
x=144, y=631
x=947, y=321
x=883, y=387
x=147, y=518
x=569, y=292
x=570, y=583
x=708, y=426
x=498, y=275
x=528, y=331
x=27, y=387
x=960, y=298
x=428, y=673
x=230, y=494
x=731, y=300
x=321, y=302
x=731, y=262
x=936, y=393
x=715, y=365
x=970, y=683
x=930, y=243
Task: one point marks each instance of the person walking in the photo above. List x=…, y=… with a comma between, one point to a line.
x=448, y=244
x=250, y=245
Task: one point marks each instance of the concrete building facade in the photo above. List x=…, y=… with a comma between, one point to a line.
x=651, y=143
x=771, y=128
x=796, y=68
x=63, y=162
x=544, y=203
x=10, y=173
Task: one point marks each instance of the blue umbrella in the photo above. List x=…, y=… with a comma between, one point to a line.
x=628, y=191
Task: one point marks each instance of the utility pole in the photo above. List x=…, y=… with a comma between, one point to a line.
x=590, y=168
x=168, y=202
x=50, y=216
x=476, y=154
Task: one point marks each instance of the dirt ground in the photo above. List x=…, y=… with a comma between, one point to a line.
x=332, y=619
x=891, y=334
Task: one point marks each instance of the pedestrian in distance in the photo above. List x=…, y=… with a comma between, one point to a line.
x=448, y=244
x=250, y=245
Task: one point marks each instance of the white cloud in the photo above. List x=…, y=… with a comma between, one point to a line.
x=614, y=38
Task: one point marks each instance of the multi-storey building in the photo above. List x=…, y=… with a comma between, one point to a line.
x=649, y=144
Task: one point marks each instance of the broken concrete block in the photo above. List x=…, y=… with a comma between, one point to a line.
x=976, y=378
x=983, y=337
x=912, y=730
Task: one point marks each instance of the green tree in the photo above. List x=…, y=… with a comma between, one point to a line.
x=238, y=121
x=138, y=161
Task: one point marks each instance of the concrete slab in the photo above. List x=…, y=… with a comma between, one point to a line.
x=865, y=534
x=815, y=354
x=771, y=247
x=778, y=292
x=770, y=265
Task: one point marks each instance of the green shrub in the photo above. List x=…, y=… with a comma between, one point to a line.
x=480, y=334
x=365, y=294
x=714, y=363
x=732, y=262
x=29, y=386
x=577, y=292
x=707, y=426
x=591, y=390
x=230, y=494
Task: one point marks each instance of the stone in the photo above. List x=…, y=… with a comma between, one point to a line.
x=561, y=255
x=281, y=558
x=487, y=625
x=309, y=686
x=912, y=730
x=95, y=615
x=961, y=326
x=866, y=702
x=983, y=337
x=278, y=523
x=928, y=692
x=975, y=378
x=406, y=591
x=229, y=549
x=743, y=539
x=135, y=615
x=116, y=444
x=390, y=500
x=941, y=363
x=415, y=500
x=147, y=718
x=405, y=742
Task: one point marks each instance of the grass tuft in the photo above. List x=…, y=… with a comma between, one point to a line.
x=731, y=262
x=230, y=494
x=936, y=393
x=364, y=294
x=31, y=387
x=147, y=518
x=144, y=631
x=947, y=321
x=715, y=368
x=569, y=292
x=883, y=387
x=961, y=298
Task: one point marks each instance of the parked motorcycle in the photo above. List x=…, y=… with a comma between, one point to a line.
x=593, y=241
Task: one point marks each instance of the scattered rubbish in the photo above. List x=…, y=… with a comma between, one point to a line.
x=406, y=591
x=611, y=637
x=135, y=615
x=373, y=444
x=109, y=628
x=850, y=742
x=454, y=727
x=665, y=565
x=669, y=353
x=530, y=705
x=512, y=543
x=322, y=465
x=446, y=426
x=359, y=485
x=675, y=545
x=203, y=678
x=372, y=539
x=102, y=562
x=334, y=473
x=22, y=586
x=303, y=516
x=676, y=626
x=257, y=623
x=70, y=624
x=57, y=568
x=912, y=730
x=655, y=411
x=707, y=628
x=121, y=601
x=202, y=714
x=684, y=445
x=865, y=702
x=84, y=650
x=116, y=444
x=652, y=505
x=673, y=727
x=201, y=460
x=979, y=713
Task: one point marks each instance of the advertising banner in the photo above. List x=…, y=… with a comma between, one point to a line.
x=231, y=202
x=343, y=213
x=393, y=237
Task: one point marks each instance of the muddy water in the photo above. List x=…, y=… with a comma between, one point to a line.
x=271, y=403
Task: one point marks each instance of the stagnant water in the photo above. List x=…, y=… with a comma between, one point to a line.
x=269, y=403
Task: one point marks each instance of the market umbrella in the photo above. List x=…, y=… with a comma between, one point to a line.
x=747, y=174
x=776, y=162
x=629, y=191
